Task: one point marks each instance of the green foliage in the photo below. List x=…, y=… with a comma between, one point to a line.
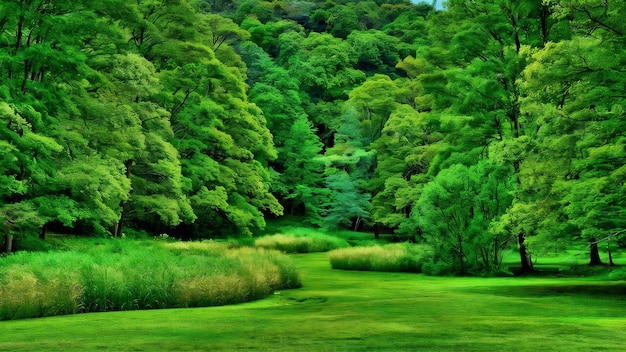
x=347, y=170
x=404, y=152
x=301, y=180
x=202, y=118
x=297, y=178
x=455, y=212
x=376, y=51
x=126, y=275
x=391, y=257
x=577, y=118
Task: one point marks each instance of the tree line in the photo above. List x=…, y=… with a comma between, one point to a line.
x=484, y=126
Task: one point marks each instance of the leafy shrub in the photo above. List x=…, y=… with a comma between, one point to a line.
x=301, y=243
x=437, y=268
x=618, y=274
x=31, y=244
x=124, y=275
x=398, y=257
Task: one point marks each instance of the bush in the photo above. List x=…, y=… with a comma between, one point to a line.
x=398, y=257
x=124, y=275
x=618, y=274
x=301, y=243
x=31, y=244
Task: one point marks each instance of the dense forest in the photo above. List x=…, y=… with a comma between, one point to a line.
x=477, y=127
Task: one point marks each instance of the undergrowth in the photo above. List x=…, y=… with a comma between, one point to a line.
x=301, y=242
x=125, y=275
x=397, y=257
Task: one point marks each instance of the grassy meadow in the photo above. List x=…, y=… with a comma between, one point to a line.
x=337, y=310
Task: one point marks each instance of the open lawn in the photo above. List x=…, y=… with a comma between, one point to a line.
x=339, y=310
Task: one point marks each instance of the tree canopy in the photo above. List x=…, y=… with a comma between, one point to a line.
x=477, y=127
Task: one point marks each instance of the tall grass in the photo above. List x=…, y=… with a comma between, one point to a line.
x=127, y=275
x=301, y=242
x=296, y=226
x=397, y=257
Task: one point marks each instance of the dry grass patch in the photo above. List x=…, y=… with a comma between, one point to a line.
x=299, y=243
x=393, y=257
x=129, y=275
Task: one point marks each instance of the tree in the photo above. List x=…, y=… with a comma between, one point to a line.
x=267, y=36
x=454, y=213
x=404, y=151
x=45, y=69
x=297, y=174
x=342, y=20
x=221, y=137
x=374, y=101
x=579, y=116
x=301, y=182
x=322, y=64
x=274, y=91
x=348, y=166
x=376, y=51
x=25, y=163
x=477, y=51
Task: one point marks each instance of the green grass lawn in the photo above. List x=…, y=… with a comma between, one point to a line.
x=340, y=310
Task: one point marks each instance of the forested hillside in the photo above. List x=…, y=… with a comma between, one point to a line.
x=478, y=127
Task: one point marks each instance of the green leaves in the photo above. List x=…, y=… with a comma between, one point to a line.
x=165, y=116
x=571, y=90
x=300, y=180
x=456, y=209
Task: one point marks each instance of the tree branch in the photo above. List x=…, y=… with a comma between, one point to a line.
x=601, y=24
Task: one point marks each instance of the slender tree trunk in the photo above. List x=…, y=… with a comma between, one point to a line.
x=115, y=228
x=119, y=227
x=461, y=254
x=594, y=255
x=496, y=260
x=357, y=223
x=608, y=249
x=525, y=260
x=8, y=243
x=376, y=231
x=44, y=231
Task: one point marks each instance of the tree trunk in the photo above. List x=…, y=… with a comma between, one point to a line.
x=525, y=260
x=594, y=256
x=376, y=231
x=8, y=243
x=44, y=231
x=461, y=254
x=119, y=227
x=357, y=223
x=608, y=249
x=116, y=226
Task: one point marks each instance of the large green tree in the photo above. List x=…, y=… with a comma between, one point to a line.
x=575, y=89
x=348, y=167
x=222, y=138
x=45, y=49
x=454, y=211
x=474, y=63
